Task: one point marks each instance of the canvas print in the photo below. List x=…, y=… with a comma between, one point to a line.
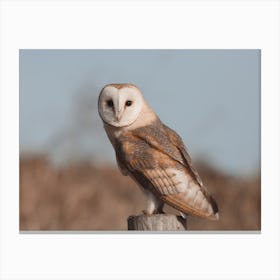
x=140, y=140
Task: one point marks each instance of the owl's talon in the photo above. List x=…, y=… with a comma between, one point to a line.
x=145, y=212
x=159, y=212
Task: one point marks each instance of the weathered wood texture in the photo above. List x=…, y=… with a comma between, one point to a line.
x=157, y=222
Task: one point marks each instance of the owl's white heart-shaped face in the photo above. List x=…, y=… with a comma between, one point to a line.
x=120, y=105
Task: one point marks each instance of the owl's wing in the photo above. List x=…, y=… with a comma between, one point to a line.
x=163, y=166
x=177, y=141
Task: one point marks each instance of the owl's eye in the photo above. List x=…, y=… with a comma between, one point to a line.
x=110, y=103
x=128, y=103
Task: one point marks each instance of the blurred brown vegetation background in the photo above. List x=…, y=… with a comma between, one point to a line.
x=84, y=196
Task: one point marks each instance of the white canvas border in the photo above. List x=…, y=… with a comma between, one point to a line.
x=140, y=24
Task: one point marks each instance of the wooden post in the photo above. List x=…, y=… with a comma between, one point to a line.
x=157, y=222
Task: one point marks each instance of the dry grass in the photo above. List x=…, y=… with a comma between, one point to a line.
x=87, y=197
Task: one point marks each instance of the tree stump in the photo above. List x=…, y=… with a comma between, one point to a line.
x=157, y=222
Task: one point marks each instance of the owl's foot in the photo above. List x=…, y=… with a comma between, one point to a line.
x=145, y=212
x=159, y=211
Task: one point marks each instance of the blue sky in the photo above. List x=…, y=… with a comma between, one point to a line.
x=210, y=97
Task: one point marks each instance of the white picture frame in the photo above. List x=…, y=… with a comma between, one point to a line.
x=139, y=24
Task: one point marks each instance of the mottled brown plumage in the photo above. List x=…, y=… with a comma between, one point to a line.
x=147, y=153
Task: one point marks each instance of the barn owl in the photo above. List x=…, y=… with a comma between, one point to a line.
x=152, y=154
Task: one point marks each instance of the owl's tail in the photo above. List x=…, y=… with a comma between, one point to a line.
x=185, y=205
x=215, y=208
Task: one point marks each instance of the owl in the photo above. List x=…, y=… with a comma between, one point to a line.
x=152, y=154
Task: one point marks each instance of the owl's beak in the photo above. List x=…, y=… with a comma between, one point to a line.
x=119, y=108
x=119, y=114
